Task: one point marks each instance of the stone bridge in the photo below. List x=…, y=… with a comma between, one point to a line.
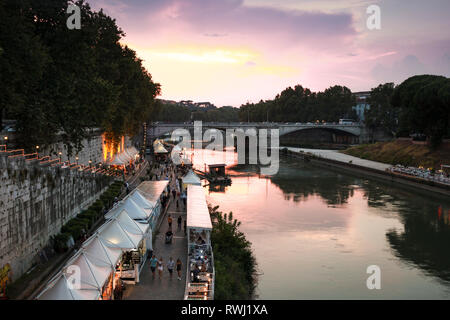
x=356, y=130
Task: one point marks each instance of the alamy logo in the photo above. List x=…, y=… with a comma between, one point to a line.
x=73, y=277
x=374, y=20
x=74, y=20
x=374, y=280
x=259, y=152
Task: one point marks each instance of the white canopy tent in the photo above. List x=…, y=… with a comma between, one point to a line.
x=134, y=211
x=97, y=259
x=90, y=271
x=157, y=141
x=125, y=157
x=102, y=249
x=197, y=209
x=150, y=191
x=131, y=152
x=59, y=289
x=140, y=200
x=123, y=231
x=93, y=264
x=191, y=178
x=99, y=255
x=159, y=148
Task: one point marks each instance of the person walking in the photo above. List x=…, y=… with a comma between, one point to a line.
x=160, y=267
x=178, y=195
x=183, y=197
x=179, y=264
x=153, y=264
x=169, y=220
x=170, y=266
x=174, y=193
x=185, y=227
x=179, y=222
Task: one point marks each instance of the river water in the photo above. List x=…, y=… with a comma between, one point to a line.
x=315, y=232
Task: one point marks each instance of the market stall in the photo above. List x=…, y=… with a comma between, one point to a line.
x=59, y=288
x=125, y=160
x=191, y=179
x=116, y=253
x=160, y=151
x=150, y=193
x=200, y=269
x=88, y=275
x=134, y=211
x=131, y=237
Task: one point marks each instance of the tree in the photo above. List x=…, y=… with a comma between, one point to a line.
x=424, y=106
x=381, y=112
x=233, y=259
x=60, y=83
x=299, y=104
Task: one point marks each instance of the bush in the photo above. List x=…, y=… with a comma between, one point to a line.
x=60, y=241
x=233, y=259
x=97, y=206
x=75, y=230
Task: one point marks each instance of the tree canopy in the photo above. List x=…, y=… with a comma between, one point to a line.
x=58, y=82
x=175, y=112
x=381, y=112
x=300, y=104
x=425, y=106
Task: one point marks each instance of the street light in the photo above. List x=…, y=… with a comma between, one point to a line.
x=6, y=141
x=37, y=151
x=76, y=158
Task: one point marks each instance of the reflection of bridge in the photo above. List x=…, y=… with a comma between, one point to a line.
x=356, y=130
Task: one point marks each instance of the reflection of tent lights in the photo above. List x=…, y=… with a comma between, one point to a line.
x=113, y=240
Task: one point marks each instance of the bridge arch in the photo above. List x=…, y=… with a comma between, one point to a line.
x=320, y=134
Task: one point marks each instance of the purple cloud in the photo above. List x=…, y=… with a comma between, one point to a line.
x=234, y=18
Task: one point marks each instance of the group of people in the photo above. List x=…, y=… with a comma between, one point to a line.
x=179, y=223
x=159, y=264
x=168, y=171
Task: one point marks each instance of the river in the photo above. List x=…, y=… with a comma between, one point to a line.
x=315, y=231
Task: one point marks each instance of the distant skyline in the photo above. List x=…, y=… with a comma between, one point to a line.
x=229, y=52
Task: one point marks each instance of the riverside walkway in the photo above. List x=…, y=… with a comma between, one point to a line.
x=342, y=157
x=165, y=288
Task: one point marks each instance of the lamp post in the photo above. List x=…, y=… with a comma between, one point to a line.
x=76, y=158
x=37, y=152
x=60, y=157
x=90, y=161
x=5, y=138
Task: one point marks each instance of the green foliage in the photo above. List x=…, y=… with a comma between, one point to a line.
x=381, y=112
x=60, y=241
x=75, y=227
x=60, y=80
x=234, y=262
x=86, y=219
x=299, y=104
x=425, y=106
x=402, y=152
x=174, y=112
x=97, y=206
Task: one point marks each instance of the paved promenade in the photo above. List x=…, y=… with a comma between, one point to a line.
x=165, y=288
x=338, y=156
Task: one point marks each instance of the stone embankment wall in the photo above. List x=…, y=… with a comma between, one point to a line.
x=36, y=200
x=93, y=150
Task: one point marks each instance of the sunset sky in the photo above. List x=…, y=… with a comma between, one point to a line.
x=229, y=52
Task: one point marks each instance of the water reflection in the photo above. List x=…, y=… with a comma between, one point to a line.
x=325, y=227
x=424, y=242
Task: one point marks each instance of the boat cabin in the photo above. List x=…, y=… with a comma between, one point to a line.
x=217, y=169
